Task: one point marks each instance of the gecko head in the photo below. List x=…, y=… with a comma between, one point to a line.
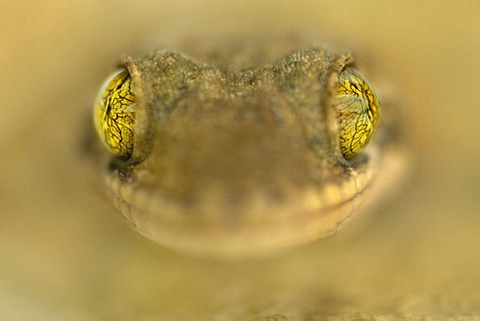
x=236, y=162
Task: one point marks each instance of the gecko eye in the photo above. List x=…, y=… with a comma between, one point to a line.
x=357, y=111
x=115, y=113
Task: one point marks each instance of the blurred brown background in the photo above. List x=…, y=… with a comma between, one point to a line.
x=65, y=254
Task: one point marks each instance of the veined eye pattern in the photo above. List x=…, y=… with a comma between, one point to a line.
x=115, y=113
x=357, y=110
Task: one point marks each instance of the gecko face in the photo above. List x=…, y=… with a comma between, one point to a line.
x=236, y=161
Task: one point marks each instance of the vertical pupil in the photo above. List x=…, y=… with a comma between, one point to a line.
x=357, y=111
x=115, y=114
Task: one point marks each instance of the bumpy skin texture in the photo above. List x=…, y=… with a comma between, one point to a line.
x=237, y=156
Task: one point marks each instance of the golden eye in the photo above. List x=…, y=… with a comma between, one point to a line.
x=357, y=110
x=115, y=113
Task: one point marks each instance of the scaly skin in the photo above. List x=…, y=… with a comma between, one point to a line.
x=238, y=159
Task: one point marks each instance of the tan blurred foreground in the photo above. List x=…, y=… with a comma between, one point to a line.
x=66, y=254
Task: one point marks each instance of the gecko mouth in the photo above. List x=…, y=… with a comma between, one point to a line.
x=239, y=190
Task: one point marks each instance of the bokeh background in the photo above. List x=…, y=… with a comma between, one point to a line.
x=66, y=254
